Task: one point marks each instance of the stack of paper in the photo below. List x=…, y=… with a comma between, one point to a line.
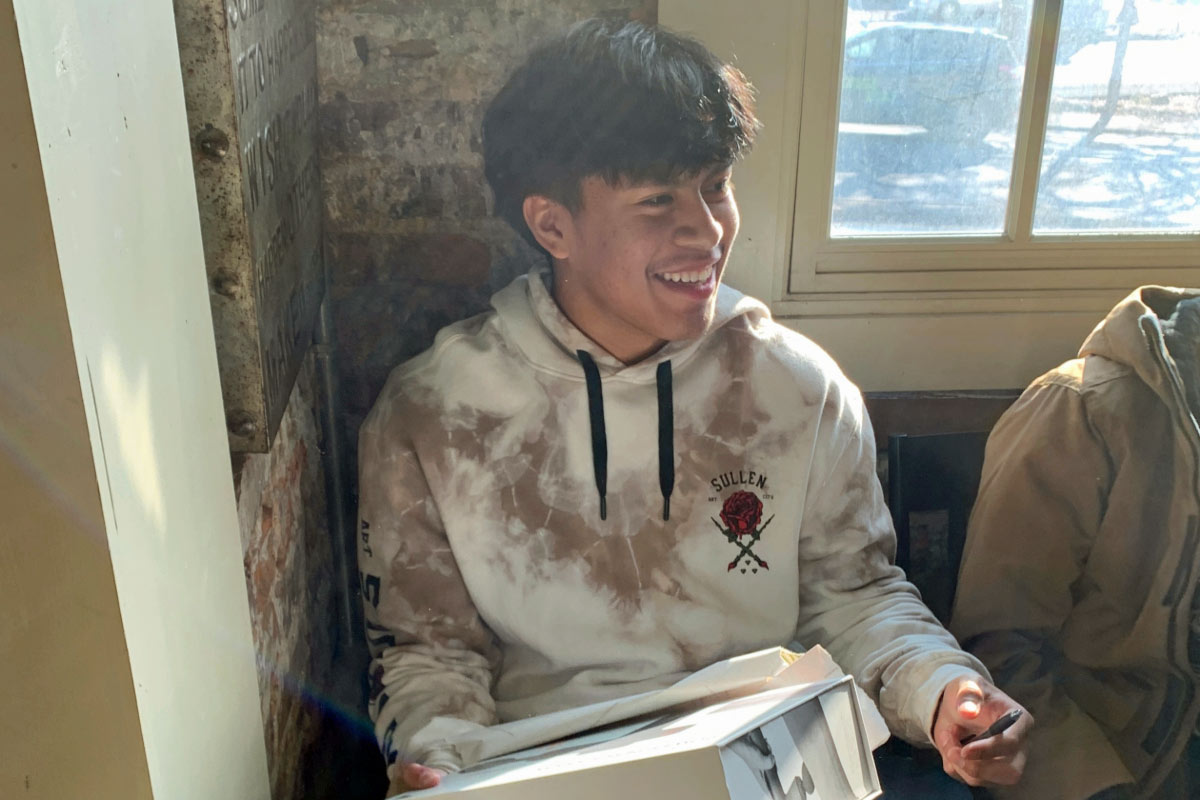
x=759, y=727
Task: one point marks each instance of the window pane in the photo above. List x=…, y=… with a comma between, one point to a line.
x=928, y=116
x=1122, y=146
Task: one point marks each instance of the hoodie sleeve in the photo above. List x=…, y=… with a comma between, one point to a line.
x=1041, y=500
x=854, y=601
x=431, y=654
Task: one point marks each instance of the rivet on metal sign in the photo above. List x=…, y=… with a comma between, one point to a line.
x=212, y=142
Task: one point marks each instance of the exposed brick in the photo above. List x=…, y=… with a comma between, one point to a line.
x=371, y=195
x=342, y=121
x=411, y=48
x=286, y=549
x=452, y=259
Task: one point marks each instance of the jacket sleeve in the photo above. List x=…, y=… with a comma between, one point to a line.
x=431, y=654
x=1044, y=489
x=854, y=601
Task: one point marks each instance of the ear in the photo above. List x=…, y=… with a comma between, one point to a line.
x=550, y=222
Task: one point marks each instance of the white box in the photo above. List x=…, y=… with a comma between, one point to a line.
x=802, y=742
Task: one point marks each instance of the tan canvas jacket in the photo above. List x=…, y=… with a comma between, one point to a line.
x=1081, y=559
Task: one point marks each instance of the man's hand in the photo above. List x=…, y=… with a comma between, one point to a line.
x=969, y=706
x=408, y=777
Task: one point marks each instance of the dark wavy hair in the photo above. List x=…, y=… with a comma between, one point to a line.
x=618, y=100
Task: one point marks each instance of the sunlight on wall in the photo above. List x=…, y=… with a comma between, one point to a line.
x=129, y=398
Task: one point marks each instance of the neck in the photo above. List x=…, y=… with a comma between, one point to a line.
x=618, y=340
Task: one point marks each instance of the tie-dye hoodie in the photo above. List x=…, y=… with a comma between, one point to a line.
x=519, y=555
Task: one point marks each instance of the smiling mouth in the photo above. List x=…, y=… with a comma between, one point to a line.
x=691, y=278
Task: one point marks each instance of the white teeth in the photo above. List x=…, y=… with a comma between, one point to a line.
x=688, y=277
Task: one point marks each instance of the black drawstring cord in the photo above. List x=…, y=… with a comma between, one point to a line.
x=666, y=432
x=666, y=437
x=599, y=439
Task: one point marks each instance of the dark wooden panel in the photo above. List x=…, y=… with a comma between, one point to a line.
x=917, y=413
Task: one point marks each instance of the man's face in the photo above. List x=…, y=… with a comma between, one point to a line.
x=640, y=263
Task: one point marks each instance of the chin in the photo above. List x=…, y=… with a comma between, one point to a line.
x=689, y=329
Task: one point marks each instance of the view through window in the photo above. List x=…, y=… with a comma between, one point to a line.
x=929, y=118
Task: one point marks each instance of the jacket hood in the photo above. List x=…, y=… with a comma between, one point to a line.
x=1154, y=332
x=532, y=321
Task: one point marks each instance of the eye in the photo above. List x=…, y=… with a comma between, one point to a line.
x=720, y=186
x=656, y=201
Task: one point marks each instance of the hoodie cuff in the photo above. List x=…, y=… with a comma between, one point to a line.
x=435, y=759
x=442, y=758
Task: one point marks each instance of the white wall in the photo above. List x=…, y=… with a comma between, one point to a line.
x=107, y=98
x=57, y=591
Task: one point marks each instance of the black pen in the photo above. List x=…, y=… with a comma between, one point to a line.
x=996, y=728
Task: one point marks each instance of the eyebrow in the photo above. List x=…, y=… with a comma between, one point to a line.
x=683, y=177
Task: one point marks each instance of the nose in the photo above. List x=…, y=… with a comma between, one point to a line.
x=697, y=227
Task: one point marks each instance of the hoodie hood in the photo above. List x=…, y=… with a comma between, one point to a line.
x=533, y=322
x=1153, y=331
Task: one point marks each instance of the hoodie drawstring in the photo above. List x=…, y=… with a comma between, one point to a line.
x=666, y=437
x=591, y=373
x=666, y=432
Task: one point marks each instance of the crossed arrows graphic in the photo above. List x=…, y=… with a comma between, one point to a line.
x=745, y=549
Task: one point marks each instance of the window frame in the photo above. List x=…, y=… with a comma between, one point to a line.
x=849, y=292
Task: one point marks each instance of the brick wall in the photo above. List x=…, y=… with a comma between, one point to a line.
x=290, y=578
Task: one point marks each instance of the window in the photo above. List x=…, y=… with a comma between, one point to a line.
x=1121, y=151
x=950, y=194
x=927, y=120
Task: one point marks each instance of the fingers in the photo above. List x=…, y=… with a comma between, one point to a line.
x=969, y=700
x=961, y=705
x=969, y=707
x=1006, y=745
x=408, y=777
x=997, y=771
x=1000, y=773
x=419, y=776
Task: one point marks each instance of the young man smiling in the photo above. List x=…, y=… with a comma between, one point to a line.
x=625, y=471
x=627, y=272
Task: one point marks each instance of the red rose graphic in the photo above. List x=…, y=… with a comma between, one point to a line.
x=741, y=512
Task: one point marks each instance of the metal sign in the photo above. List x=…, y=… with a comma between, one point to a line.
x=250, y=77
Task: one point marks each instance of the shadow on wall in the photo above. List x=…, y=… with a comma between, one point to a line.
x=391, y=310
